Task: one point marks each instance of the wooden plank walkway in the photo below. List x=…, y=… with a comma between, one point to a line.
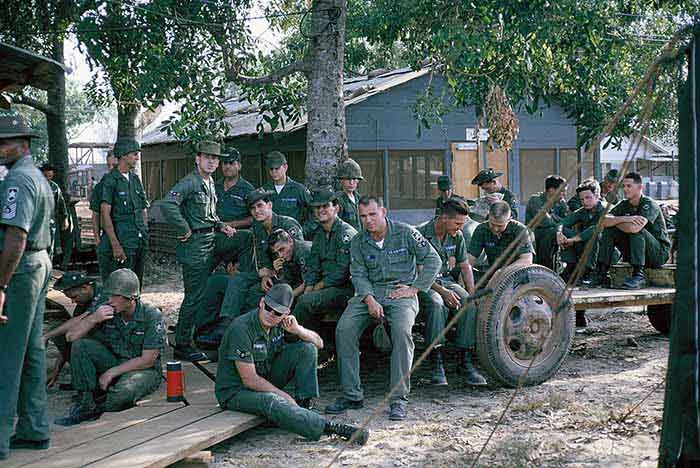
x=604, y=298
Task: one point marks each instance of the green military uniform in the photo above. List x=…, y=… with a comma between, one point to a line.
x=328, y=262
x=586, y=221
x=376, y=271
x=26, y=202
x=347, y=209
x=276, y=361
x=433, y=304
x=487, y=175
x=126, y=197
x=230, y=206
x=649, y=247
x=98, y=298
x=509, y=198
x=484, y=240
x=444, y=184
x=546, y=231
x=113, y=342
x=191, y=206
x=59, y=215
x=292, y=201
x=574, y=203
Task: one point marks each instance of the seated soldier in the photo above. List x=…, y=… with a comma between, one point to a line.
x=444, y=184
x=585, y=219
x=84, y=291
x=638, y=229
x=547, y=228
x=445, y=295
x=495, y=235
x=327, y=279
x=255, y=364
x=115, y=360
x=487, y=180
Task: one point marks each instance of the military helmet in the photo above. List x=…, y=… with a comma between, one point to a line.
x=122, y=282
x=124, y=146
x=14, y=126
x=349, y=169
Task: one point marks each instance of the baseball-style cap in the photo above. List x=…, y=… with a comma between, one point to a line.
x=275, y=159
x=280, y=297
x=232, y=156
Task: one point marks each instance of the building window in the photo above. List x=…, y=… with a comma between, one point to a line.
x=372, y=165
x=413, y=178
x=537, y=164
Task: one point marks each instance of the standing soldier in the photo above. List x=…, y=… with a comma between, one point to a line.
x=350, y=175
x=327, y=281
x=190, y=207
x=124, y=216
x=546, y=230
x=487, y=180
x=385, y=271
x=95, y=199
x=60, y=222
x=444, y=184
x=27, y=206
x=289, y=197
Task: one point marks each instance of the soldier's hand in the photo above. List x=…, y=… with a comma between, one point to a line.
x=104, y=312
x=118, y=253
x=278, y=264
x=106, y=379
x=187, y=235
x=452, y=299
x=451, y=262
x=231, y=268
x=639, y=221
x=266, y=283
x=3, y=317
x=375, y=309
x=291, y=325
x=561, y=238
x=402, y=291
x=228, y=230
x=318, y=286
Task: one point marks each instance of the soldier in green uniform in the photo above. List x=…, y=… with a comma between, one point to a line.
x=124, y=216
x=495, y=235
x=291, y=260
x=86, y=294
x=637, y=228
x=230, y=202
x=546, y=230
x=350, y=175
x=446, y=295
x=190, y=207
x=27, y=205
x=96, y=199
x=115, y=360
x=256, y=364
x=385, y=271
x=289, y=197
x=327, y=281
x=606, y=188
x=487, y=180
x=444, y=184
x=60, y=220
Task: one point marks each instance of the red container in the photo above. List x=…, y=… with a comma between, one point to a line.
x=176, y=381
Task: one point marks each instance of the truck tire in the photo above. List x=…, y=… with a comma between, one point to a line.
x=522, y=325
x=660, y=317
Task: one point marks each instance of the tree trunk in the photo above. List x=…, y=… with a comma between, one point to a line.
x=56, y=119
x=326, y=137
x=126, y=115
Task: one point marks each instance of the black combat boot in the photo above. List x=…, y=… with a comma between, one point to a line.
x=581, y=321
x=439, y=377
x=586, y=279
x=346, y=432
x=466, y=366
x=601, y=278
x=83, y=410
x=306, y=403
x=637, y=280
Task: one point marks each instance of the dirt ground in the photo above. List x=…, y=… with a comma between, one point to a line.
x=576, y=419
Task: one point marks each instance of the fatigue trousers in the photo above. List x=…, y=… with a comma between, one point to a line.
x=572, y=255
x=316, y=303
x=437, y=315
x=195, y=257
x=22, y=366
x=135, y=261
x=297, y=362
x=401, y=315
x=223, y=249
x=546, y=246
x=242, y=293
x=213, y=299
x=90, y=359
x=640, y=249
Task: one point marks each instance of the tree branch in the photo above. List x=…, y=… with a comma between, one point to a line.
x=33, y=103
x=233, y=74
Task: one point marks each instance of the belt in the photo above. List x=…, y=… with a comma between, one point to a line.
x=205, y=229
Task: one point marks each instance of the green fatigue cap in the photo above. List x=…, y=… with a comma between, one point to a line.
x=257, y=194
x=280, y=297
x=73, y=279
x=14, y=126
x=444, y=183
x=124, y=146
x=485, y=175
x=349, y=169
x=612, y=175
x=209, y=147
x=381, y=338
x=232, y=156
x=275, y=159
x=322, y=195
x=122, y=282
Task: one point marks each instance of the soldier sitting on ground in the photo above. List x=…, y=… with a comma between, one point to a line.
x=84, y=291
x=546, y=230
x=637, y=228
x=256, y=364
x=115, y=357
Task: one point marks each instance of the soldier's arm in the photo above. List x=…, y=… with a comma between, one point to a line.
x=252, y=381
x=340, y=276
x=244, y=223
x=13, y=247
x=171, y=208
x=145, y=361
x=525, y=249
x=531, y=210
x=358, y=271
x=425, y=255
x=312, y=275
x=475, y=247
x=64, y=327
x=467, y=276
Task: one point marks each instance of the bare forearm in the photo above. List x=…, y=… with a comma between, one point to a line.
x=144, y=213
x=64, y=327
x=310, y=336
x=13, y=248
x=81, y=328
x=299, y=290
x=241, y=223
x=260, y=384
x=467, y=277
x=96, y=226
x=137, y=363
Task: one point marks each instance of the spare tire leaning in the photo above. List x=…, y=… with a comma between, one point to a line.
x=523, y=320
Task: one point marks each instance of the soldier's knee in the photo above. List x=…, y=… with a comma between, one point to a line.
x=119, y=400
x=80, y=347
x=307, y=352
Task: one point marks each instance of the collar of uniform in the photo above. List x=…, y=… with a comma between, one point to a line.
x=275, y=220
x=429, y=230
x=389, y=232
x=255, y=320
x=200, y=180
x=139, y=313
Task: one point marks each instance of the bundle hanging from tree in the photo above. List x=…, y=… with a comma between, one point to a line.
x=502, y=122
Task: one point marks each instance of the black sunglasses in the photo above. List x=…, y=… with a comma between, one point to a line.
x=273, y=311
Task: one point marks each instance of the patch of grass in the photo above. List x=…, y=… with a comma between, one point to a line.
x=552, y=401
x=525, y=452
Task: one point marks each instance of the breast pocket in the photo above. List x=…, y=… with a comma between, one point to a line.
x=136, y=343
x=398, y=262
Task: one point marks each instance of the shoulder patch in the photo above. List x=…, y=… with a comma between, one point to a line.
x=417, y=236
x=242, y=354
x=159, y=327
x=346, y=238
x=10, y=210
x=12, y=194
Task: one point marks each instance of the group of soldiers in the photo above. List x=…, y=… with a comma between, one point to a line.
x=261, y=267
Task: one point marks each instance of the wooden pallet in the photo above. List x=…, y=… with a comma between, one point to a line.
x=605, y=298
x=664, y=277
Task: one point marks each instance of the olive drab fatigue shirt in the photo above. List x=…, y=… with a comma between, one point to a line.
x=191, y=204
x=28, y=204
x=450, y=247
x=294, y=271
x=260, y=235
x=484, y=239
x=292, y=201
x=509, y=198
x=98, y=298
x=587, y=220
x=377, y=271
x=330, y=256
x=230, y=204
x=245, y=341
x=128, y=340
x=648, y=208
x=348, y=211
x=552, y=218
x=127, y=200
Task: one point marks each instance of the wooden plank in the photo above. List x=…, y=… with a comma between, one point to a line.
x=664, y=277
x=604, y=298
x=66, y=439
x=101, y=448
x=199, y=389
x=178, y=444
